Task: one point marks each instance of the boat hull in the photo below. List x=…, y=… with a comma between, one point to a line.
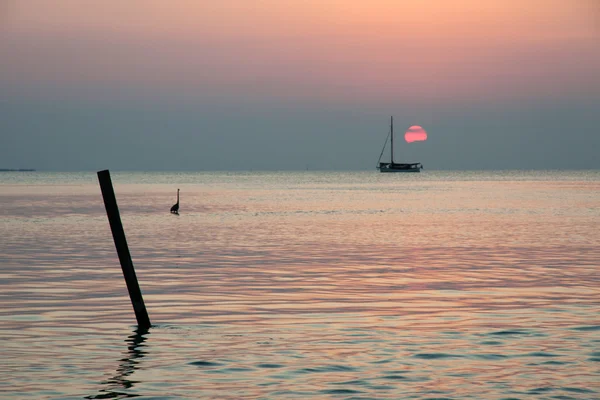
x=399, y=170
x=386, y=167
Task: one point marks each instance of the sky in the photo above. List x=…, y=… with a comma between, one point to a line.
x=296, y=84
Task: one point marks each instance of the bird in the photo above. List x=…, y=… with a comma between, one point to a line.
x=175, y=208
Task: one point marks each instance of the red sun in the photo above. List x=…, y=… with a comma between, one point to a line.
x=415, y=134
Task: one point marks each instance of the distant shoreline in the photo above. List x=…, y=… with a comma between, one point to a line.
x=17, y=170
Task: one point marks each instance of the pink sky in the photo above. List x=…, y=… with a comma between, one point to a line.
x=381, y=50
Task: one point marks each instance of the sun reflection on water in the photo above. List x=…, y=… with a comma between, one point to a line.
x=334, y=286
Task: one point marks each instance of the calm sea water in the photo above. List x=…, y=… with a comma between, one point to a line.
x=307, y=285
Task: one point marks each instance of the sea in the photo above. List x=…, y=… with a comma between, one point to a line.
x=303, y=285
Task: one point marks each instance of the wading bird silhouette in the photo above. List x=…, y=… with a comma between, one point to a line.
x=175, y=208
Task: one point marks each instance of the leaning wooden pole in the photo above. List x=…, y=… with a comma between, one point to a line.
x=114, y=218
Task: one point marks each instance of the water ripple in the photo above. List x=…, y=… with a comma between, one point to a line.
x=305, y=286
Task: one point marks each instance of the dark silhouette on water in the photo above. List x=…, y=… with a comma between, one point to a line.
x=175, y=208
x=118, y=384
x=114, y=219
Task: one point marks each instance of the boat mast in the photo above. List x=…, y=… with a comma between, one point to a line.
x=392, y=137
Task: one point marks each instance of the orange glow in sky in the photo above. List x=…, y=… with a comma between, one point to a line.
x=387, y=50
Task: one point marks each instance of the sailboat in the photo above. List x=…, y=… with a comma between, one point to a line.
x=393, y=166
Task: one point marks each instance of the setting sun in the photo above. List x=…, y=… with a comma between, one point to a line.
x=415, y=134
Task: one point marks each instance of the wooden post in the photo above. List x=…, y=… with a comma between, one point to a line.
x=114, y=218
